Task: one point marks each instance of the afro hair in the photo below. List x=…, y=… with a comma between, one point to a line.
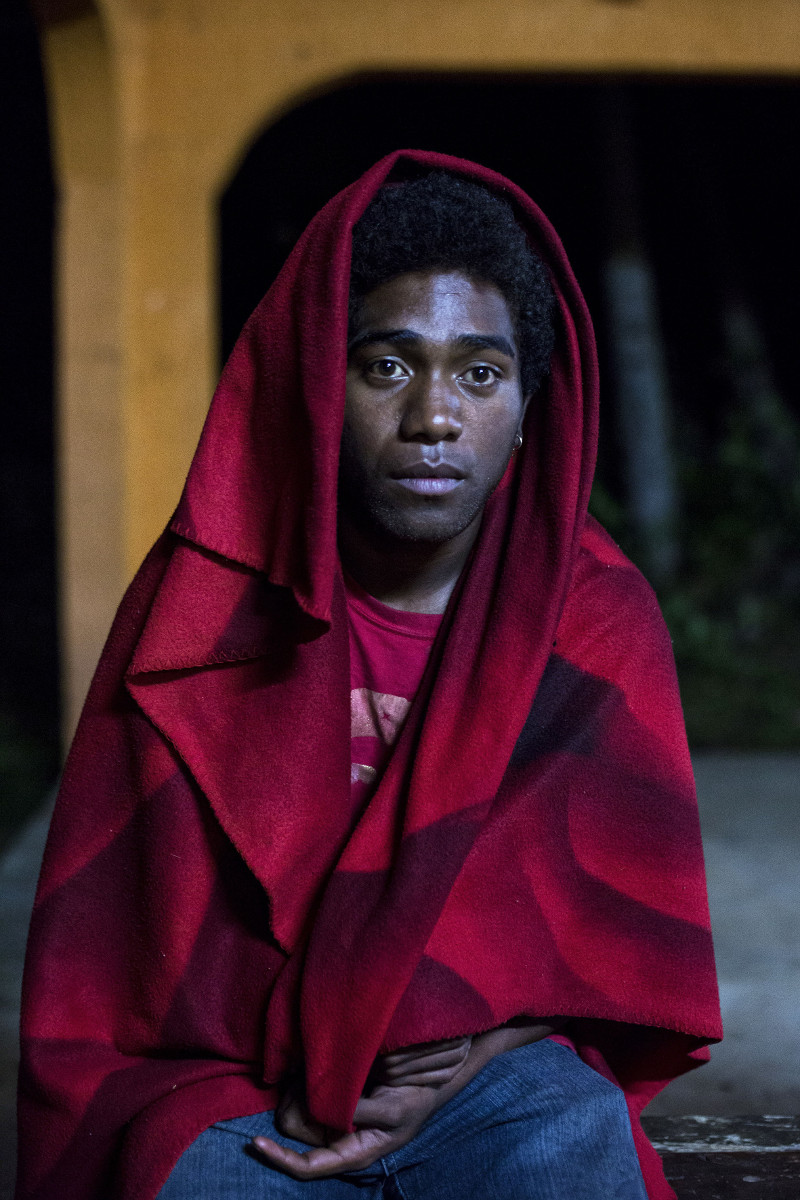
x=443, y=222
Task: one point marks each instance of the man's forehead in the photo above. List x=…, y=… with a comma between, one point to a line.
x=438, y=306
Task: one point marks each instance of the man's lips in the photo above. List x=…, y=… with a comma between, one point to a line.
x=427, y=480
x=429, y=485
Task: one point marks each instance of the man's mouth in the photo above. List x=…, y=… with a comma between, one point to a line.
x=428, y=485
x=427, y=480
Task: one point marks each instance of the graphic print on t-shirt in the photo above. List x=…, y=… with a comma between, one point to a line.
x=377, y=714
x=388, y=652
x=374, y=715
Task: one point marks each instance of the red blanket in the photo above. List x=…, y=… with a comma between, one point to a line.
x=211, y=909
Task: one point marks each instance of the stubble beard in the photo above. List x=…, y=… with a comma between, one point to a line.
x=406, y=524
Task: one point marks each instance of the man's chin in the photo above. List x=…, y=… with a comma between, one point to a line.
x=431, y=529
x=410, y=521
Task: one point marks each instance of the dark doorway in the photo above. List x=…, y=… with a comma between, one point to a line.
x=719, y=225
x=718, y=148
x=29, y=683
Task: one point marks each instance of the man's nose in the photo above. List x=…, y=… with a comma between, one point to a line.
x=432, y=410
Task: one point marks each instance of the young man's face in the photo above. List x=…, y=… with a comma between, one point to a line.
x=433, y=405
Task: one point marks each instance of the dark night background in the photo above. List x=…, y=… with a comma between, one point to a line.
x=718, y=219
x=29, y=677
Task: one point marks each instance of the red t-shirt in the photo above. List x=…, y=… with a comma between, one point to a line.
x=388, y=652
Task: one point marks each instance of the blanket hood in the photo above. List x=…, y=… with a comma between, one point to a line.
x=262, y=487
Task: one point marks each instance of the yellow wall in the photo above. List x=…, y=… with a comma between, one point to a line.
x=91, y=402
x=153, y=104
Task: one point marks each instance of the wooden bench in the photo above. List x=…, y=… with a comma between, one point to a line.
x=727, y=1158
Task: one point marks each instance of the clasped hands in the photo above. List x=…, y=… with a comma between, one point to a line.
x=403, y=1090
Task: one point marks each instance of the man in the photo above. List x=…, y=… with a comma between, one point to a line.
x=447, y=979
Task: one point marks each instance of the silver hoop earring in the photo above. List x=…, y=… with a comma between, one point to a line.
x=517, y=441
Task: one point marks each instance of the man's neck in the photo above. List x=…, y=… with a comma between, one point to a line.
x=411, y=576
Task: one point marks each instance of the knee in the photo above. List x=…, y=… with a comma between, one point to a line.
x=597, y=1109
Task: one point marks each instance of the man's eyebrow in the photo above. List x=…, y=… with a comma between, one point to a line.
x=398, y=337
x=407, y=337
x=485, y=341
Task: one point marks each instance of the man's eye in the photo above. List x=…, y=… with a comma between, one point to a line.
x=386, y=368
x=480, y=375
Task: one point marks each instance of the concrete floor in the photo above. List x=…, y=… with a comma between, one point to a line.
x=750, y=812
x=750, y=809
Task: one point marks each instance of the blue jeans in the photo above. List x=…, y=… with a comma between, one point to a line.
x=535, y=1124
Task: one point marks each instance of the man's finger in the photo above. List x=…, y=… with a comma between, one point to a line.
x=425, y=1049
x=293, y=1122
x=429, y=1062
x=387, y=1110
x=345, y=1155
x=430, y=1079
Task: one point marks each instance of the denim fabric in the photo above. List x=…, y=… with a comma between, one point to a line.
x=535, y=1124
